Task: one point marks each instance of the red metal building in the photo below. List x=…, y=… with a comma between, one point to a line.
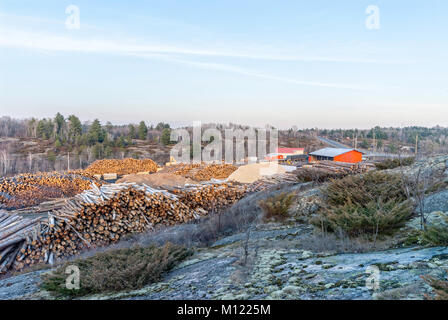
x=336, y=154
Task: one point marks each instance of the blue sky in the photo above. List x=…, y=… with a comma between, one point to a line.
x=304, y=63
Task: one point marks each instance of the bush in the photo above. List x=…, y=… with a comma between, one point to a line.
x=317, y=175
x=116, y=270
x=436, y=236
x=394, y=163
x=276, y=207
x=371, y=218
x=372, y=203
x=361, y=189
x=439, y=286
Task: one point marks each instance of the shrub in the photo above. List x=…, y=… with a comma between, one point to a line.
x=371, y=218
x=116, y=270
x=276, y=207
x=436, y=236
x=372, y=203
x=394, y=163
x=317, y=175
x=362, y=189
x=439, y=286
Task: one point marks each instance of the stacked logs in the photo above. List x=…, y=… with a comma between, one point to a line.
x=210, y=196
x=124, y=166
x=30, y=189
x=104, y=215
x=342, y=167
x=202, y=172
x=15, y=233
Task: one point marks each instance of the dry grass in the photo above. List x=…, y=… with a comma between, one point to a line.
x=116, y=270
x=440, y=287
x=340, y=242
x=276, y=207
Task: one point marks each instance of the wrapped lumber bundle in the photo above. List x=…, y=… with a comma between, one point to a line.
x=125, y=166
x=30, y=189
x=15, y=233
x=202, y=172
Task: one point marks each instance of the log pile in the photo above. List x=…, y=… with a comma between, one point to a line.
x=125, y=166
x=30, y=189
x=210, y=196
x=104, y=215
x=202, y=172
x=335, y=166
x=44, y=207
x=270, y=181
x=15, y=234
x=322, y=171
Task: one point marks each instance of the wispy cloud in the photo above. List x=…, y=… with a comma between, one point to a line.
x=52, y=42
x=63, y=43
x=253, y=73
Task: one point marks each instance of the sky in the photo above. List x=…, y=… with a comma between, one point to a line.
x=320, y=63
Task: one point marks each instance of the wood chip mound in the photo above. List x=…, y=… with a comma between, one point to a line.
x=124, y=166
x=157, y=180
x=255, y=171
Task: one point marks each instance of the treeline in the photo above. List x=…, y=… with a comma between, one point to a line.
x=428, y=140
x=67, y=143
x=72, y=133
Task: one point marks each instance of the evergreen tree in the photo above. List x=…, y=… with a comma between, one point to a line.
x=75, y=128
x=166, y=136
x=95, y=133
x=142, y=131
x=59, y=124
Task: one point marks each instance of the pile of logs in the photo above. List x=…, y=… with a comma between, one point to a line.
x=30, y=189
x=203, y=171
x=336, y=166
x=44, y=207
x=210, y=196
x=322, y=171
x=105, y=214
x=270, y=181
x=15, y=234
x=124, y=166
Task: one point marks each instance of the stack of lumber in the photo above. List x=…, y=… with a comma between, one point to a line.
x=104, y=215
x=15, y=234
x=30, y=189
x=202, y=172
x=120, y=167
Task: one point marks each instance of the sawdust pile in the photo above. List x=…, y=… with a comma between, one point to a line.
x=255, y=171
